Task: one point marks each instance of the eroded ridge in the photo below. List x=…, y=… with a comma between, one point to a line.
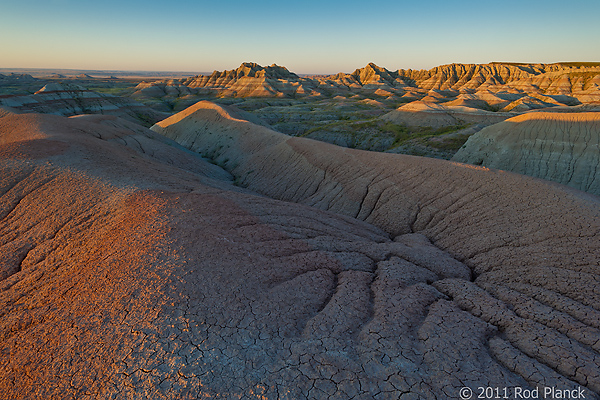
x=561, y=147
x=512, y=231
x=142, y=277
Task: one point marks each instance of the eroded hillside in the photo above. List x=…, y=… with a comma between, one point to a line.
x=420, y=112
x=561, y=147
x=134, y=268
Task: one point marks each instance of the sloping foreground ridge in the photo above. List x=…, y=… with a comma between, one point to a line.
x=531, y=245
x=132, y=268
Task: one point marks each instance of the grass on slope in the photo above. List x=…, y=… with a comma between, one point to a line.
x=376, y=133
x=354, y=123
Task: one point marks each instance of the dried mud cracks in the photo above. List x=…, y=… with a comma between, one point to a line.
x=134, y=269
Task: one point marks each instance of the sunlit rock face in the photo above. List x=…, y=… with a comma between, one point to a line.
x=249, y=80
x=280, y=267
x=566, y=84
x=561, y=147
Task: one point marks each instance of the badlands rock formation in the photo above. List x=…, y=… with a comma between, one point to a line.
x=71, y=99
x=249, y=80
x=489, y=84
x=450, y=95
x=561, y=147
x=14, y=78
x=529, y=266
x=133, y=268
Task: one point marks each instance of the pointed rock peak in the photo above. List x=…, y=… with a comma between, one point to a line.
x=375, y=67
x=253, y=70
x=371, y=68
x=373, y=73
x=250, y=65
x=278, y=71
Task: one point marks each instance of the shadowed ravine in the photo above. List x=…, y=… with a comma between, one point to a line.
x=132, y=268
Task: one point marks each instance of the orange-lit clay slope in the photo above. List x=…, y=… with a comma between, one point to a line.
x=132, y=268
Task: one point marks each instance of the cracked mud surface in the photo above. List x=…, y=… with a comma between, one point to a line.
x=134, y=269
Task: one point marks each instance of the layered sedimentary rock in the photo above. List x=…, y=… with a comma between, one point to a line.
x=570, y=84
x=561, y=147
x=249, y=80
x=71, y=99
x=133, y=268
x=552, y=79
x=13, y=78
x=372, y=76
x=457, y=95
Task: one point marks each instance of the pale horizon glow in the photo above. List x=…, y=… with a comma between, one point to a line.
x=322, y=37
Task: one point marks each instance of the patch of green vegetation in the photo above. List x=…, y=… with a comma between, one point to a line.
x=452, y=143
x=357, y=124
x=366, y=124
x=400, y=133
x=114, y=91
x=417, y=152
x=404, y=134
x=372, y=133
x=324, y=127
x=145, y=119
x=447, y=129
x=492, y=108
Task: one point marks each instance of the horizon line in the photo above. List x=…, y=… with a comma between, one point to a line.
x=189, y=72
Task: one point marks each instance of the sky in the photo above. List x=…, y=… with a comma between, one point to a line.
x=307, y=37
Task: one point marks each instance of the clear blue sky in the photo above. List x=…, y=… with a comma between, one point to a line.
x=305, y=36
